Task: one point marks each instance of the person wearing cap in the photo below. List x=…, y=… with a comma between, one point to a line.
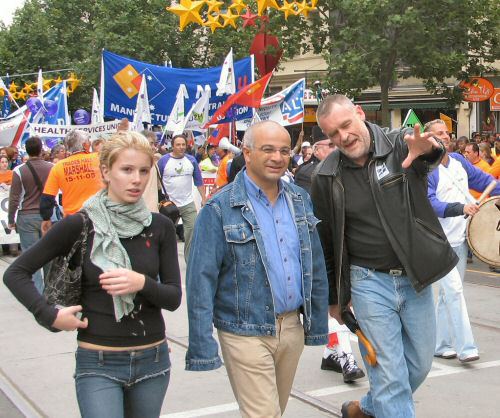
x=304, y=155
x=224, y=155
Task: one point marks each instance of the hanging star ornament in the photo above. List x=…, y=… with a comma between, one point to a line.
x=213, y=22
x=213, y=5
x=288, y=9
x=188, y=11
x=262, y=5
x=303, y=8
x=229, y=18
x=248, y=18
x=238, y=5
x=13, y=87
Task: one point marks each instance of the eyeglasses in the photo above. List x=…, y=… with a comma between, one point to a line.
x=268, y=149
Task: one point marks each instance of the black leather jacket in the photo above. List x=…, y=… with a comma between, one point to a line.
x=405, y=212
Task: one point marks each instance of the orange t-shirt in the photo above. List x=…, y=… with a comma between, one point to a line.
x=221, y=179
x=483, y=166
x=495, y=169
x=78, y=177
x=6, y=177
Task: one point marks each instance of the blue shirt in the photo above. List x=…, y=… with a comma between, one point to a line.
x=281, y=242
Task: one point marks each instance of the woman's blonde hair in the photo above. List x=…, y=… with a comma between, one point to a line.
x=120, y=141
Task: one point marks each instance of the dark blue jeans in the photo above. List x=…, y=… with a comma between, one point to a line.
x=129, y=384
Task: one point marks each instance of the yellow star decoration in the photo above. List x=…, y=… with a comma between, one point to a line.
x=288, y=9
x=188, y=11
x=229, y=18
x=13, y=87
x=21, y=95
x=58, y=80
x=47, y=83
x=28, y=88
x=73, y=82
x=238, y=5
x=213, y=22
x=304, y=8
x=264, y=4
x=214, y=5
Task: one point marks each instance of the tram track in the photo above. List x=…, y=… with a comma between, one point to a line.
x=20, y=400
x=313, y=401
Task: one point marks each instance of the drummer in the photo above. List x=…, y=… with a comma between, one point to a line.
x=448, y=192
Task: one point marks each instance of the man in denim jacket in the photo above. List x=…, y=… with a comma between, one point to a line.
x=255, y=265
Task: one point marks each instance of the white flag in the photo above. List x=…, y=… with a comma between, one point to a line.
x=39, y=86
x=175, y=122
x=141, y=112
x=197, y=116
x=3, y=86
x=96, y=116
x=227, y=82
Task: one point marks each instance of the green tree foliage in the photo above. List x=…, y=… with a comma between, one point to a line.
x=373, y=42
x=54, y=34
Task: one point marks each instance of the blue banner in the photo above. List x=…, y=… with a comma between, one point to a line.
x=122, y=80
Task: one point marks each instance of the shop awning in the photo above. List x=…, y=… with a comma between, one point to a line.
x=370, y=106
x=438, y=104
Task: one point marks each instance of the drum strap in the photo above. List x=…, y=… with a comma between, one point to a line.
x=466, y=194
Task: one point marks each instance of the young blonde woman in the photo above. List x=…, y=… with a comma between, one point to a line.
x=130, y=273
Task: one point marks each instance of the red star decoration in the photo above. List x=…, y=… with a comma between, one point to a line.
x=248, y=18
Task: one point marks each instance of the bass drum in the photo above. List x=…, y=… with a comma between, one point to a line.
x=483, y=232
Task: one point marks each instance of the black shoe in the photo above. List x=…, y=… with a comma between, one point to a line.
x=332, y=363
x=350, y=370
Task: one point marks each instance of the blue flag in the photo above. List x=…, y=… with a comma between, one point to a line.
x=122, y=81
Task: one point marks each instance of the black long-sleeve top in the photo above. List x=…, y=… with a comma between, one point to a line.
x=153, y=253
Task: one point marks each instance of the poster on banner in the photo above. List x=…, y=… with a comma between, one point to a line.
x=122, y=79
x=285, y=107
x=6, y=238
x=95, y=130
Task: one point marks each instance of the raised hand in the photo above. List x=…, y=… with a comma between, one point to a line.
x=418, y=144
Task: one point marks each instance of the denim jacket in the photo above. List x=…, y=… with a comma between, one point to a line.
x=227, y=284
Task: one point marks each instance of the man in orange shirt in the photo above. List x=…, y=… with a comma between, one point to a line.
x=78, y=177
x=222, y=173
x=472, y=154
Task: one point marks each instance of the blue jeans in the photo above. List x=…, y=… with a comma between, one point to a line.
x=454, y=332
x=29, y=228
x=122, y=384
x=400, y=324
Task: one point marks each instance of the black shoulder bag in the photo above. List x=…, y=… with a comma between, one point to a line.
x=63, y=283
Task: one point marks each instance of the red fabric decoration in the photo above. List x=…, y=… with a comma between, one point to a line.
x=267, y=52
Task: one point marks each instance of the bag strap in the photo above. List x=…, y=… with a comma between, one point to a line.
x=161, y=183
x=38, y=182
x=82, y=239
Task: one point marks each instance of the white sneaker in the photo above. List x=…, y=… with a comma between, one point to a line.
x=448, y=354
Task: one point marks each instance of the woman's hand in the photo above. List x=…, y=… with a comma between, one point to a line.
x=121, y=281
x=66, y=319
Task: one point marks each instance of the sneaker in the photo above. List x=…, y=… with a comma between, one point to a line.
x=469, y=358
x=447, y=354
x=332, y=362
x=350, y=369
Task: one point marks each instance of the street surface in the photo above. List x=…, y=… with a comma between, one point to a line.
x=36, y=368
